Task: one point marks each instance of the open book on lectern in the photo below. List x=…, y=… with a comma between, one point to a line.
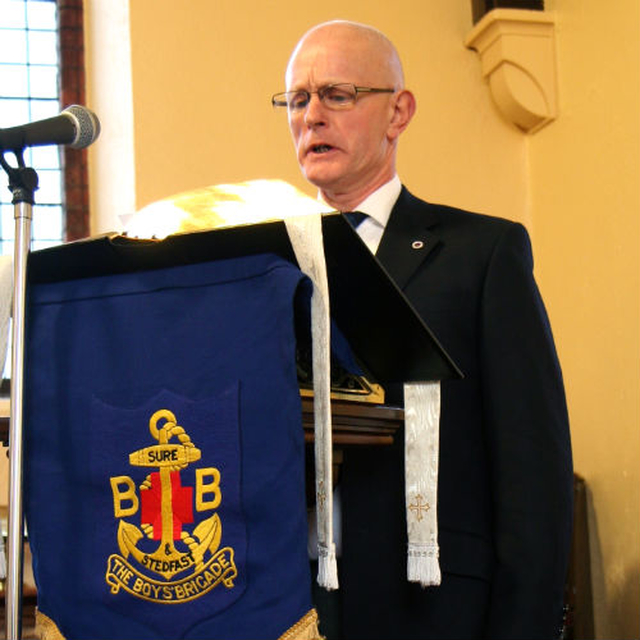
x=384, y=331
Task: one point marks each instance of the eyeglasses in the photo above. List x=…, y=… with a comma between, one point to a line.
x=334, y=96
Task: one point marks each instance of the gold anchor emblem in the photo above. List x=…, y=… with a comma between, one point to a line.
x=166, y=505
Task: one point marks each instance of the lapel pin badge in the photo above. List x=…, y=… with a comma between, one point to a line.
x=417, y=244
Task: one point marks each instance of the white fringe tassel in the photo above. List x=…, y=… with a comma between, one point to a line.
x=423, y=565
x=327, y=568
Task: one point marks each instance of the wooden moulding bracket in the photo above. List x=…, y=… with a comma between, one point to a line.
x=518, y=55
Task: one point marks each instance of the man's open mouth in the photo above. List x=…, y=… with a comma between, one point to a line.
x=321, y=148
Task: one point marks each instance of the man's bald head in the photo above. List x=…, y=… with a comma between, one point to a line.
x=364, y=42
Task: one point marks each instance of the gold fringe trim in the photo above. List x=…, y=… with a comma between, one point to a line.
x=46, y=628
x=305, y=629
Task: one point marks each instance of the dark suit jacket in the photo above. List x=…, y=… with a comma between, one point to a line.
x=505, y=477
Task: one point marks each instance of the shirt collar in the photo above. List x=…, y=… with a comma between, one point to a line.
x=378, y=204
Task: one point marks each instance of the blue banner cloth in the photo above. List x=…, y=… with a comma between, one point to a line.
x=164, y=452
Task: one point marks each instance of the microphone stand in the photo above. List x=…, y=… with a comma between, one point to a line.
x=23, y=181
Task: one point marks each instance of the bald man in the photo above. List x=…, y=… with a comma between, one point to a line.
x=505, y=469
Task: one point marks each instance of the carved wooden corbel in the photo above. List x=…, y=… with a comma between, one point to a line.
x=518, y=56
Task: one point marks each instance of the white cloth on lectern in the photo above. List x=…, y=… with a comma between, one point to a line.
x=422, y=437
x=305, y=234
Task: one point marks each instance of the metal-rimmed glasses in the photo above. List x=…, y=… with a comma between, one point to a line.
x=334, y=96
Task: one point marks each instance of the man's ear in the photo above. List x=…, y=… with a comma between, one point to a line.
x=403, y=110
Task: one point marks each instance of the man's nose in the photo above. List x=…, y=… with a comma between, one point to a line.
x=315, y=113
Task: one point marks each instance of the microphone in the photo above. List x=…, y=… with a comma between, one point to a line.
x=76, y=126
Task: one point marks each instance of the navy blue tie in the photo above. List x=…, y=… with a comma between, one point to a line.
x=355, y=218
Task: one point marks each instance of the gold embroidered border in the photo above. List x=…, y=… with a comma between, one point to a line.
x=305, y=629
x=46, y=628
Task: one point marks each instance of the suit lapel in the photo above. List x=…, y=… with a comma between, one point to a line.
x=408, y=238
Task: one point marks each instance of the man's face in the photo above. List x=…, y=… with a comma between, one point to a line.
x=342, y=151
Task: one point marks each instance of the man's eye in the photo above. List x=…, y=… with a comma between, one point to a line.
x=298, y=101
x=337, y=96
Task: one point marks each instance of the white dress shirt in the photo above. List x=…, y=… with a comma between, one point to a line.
x=378, y=207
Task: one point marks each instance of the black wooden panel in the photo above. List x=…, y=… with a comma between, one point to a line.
x=480, y=7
